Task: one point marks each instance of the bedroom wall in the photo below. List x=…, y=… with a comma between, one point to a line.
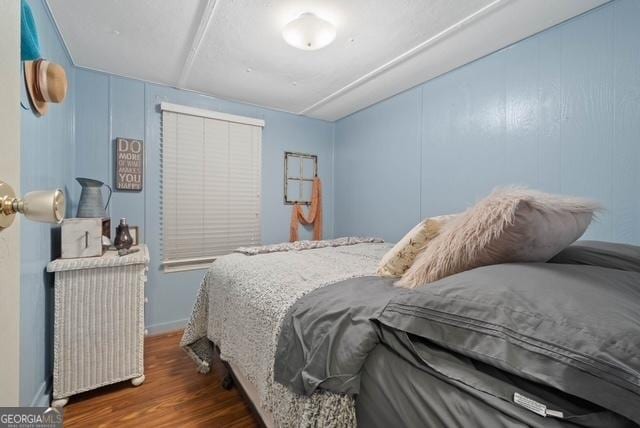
x=109, y=107
x=47, y=162
x=76, y=139
x=558, y=111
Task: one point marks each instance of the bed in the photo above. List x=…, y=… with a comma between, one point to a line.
x=316, y=340
x=241, y=304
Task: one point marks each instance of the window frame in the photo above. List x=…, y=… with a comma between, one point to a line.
x=299, y=178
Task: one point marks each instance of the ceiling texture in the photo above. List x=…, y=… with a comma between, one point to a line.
x=234, y=49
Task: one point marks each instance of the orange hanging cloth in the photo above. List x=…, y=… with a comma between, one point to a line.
x=314, y=217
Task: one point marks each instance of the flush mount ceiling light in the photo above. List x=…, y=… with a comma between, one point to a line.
x=308, y=32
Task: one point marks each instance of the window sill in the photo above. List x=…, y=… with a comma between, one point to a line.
x=186, y=265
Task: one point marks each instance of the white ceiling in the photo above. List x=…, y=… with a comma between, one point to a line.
x=233, y=49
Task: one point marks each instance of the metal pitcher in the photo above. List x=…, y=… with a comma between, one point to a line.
x=91, y=204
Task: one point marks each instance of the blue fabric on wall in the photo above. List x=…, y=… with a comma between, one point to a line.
x=29, y=42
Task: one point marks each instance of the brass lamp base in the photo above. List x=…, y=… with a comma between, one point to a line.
x=7, y=213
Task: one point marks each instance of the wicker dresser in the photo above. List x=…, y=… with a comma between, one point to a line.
x=99, y=322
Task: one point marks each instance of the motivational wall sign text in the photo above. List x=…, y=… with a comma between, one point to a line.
x=129, y=164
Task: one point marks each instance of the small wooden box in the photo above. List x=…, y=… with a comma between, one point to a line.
x=81, y=237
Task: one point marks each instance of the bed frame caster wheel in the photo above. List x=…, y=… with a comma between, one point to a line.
x=60, y=402
x=137, y=381
x=227, y=382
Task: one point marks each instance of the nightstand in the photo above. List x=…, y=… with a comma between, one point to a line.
x=99, y=322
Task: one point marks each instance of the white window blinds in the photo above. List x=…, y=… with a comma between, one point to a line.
x=210, y=185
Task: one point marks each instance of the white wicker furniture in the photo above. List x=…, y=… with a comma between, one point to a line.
x=99, y=322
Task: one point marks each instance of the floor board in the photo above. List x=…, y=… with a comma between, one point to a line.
x=173, y=394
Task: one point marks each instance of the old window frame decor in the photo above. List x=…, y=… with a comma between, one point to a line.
x=296, y=181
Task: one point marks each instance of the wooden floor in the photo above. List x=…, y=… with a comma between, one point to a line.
x=174, y=394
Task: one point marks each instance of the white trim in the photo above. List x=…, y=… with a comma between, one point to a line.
x=10, y=238
x=185, y=268
x=400, y=58
x=206, y=19
x=59, y=32
x=210, y=95
x=210, y=114
x=169, y=266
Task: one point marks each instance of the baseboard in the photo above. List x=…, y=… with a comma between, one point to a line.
x=42, y=398
x=166, y=327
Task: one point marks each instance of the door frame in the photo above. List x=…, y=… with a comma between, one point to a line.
x=10, y=173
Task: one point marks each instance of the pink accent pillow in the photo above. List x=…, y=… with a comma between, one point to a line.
x=510, y=225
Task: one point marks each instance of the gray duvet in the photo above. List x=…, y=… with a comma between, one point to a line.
x=441, y=389
x=567, y=336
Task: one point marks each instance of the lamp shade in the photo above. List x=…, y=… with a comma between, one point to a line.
x=309, y=32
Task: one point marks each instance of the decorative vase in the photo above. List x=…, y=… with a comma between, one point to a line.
x=123, y=237
x=91, y=204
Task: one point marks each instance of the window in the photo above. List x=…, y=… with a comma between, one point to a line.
x=210, y=202
x=299, y=171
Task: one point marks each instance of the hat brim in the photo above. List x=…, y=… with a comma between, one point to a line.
x=30, y=74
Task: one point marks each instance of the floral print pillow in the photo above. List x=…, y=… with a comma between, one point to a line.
x=400, y=258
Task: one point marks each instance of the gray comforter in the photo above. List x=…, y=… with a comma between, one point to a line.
x=568, y=328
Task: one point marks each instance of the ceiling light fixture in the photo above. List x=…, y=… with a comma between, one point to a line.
x=308, y=32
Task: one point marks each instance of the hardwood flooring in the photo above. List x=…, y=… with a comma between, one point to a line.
x=174, y=394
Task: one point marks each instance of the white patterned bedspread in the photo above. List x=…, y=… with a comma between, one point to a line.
x=240, y=307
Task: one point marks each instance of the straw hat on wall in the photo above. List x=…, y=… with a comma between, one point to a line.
x=46, y=83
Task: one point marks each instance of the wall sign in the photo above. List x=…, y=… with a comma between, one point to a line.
x=129, y=164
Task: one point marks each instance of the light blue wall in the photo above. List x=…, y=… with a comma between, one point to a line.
x=377, y=169
x=47, y=162
x=559, y=111
x=109, y=107
x=77, y=138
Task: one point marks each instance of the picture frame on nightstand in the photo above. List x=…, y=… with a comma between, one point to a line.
x=134, y=231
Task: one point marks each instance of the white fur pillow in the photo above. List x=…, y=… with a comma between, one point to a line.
x=510, y=225
x=400, y=258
